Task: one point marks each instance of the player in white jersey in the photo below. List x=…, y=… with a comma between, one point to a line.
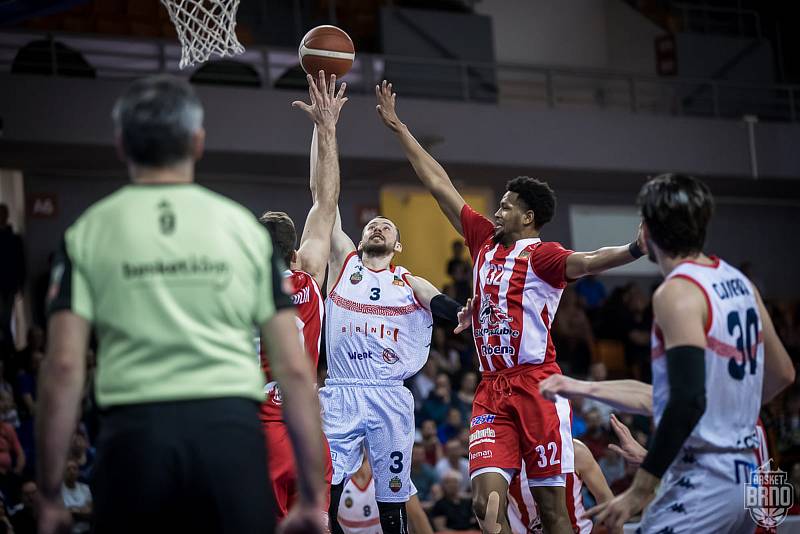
x=716, y=357
x=377, y=335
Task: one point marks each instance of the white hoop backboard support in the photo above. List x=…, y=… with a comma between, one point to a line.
x=204, y=27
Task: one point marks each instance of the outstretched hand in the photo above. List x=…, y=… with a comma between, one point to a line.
x=465, y=316
x=326, y=103
x=630, y=449
x=386, y=106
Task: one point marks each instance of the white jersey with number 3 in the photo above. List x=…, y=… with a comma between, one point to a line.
x=375, y=328
x=734, y=358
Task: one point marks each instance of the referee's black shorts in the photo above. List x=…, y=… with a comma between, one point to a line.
x=190, y=466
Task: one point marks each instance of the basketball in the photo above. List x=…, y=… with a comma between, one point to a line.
x=327, y=48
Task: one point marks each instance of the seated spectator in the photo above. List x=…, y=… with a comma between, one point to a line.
x=572, y=335
x=430, y=440
x=592, y=292
x=624, y=482
x=454, y=460
x=453, y=511
x=8, y=410
x=613, y=467
x=596, y=436
x=423, y=383
x=461, y=288
x=637, y=322
x=77, y=498
x=466, y=390
x=598, y=373
x=447, y=358
x=12, y=463
x=83, y=455
x=423, y=475
x=23, y=516
x=452, y=425
x=578, y=419
x=440, y=400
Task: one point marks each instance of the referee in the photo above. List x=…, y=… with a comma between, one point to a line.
x=175, y=280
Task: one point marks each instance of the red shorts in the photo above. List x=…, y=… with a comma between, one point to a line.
x=511, y=421
x=280, y=459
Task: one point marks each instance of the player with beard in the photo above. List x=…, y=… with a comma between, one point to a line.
x=377, y=335
x=518, y=281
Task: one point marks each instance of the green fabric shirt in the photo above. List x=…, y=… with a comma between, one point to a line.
x=174, y=279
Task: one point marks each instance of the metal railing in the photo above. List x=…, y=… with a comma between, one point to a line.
x=543, y=86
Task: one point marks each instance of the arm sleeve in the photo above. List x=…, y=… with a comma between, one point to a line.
x=686, y=371
x=549, y=262
x=445, y=308
x=477, y=229
x=69, y=288
x=273, y=288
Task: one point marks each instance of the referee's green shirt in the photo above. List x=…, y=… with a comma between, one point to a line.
x=174, y=278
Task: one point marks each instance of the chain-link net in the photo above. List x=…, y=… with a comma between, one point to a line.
x=204, y=27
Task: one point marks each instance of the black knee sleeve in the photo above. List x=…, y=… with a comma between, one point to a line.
x=394, y=519
x=333, y=511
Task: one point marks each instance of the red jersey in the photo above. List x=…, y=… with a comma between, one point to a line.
x=307, y=298
x=519, y=288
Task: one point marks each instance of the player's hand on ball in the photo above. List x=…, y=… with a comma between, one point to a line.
x=630, y=449
x=326, y=102
x=304, y=519
x=386, y=106
x=465, y=317
x=562, y=385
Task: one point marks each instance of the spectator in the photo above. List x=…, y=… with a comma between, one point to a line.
x=592, y=293
x=452, y=425
x=452, y=511
x=8, y=410
x=430, y=440
x=578, y=419
x=77, y=498
x=457, y=260
x=12, y=278
x=598, y=373
x=447, y=358
x=466, y=391
x=596, y=436
x=424, y=382
x=638, y=320
x=12, y=463
x=422, y=474
x=83, y=455
x=613, y=467
x=5, y=386
x=623, y=483
x=440, y=400
x=572, y=334
x=23, y=517
x=460, y=289
x=454, y=460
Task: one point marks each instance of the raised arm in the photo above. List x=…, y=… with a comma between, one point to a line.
x=580, y=264
x=629, y=396
x=779, y=373
x=315, y=244
x=341, y=247
x=430, y=173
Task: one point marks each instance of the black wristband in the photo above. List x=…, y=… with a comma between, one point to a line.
x=686, y=373
x=635, y=250
x=445, y=308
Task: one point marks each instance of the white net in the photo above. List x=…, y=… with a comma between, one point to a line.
x=204, y=27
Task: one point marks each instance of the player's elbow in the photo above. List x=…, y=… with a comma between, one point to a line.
x=787, y=375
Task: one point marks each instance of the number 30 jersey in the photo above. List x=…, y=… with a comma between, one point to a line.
x=734, y=358
x=375, y=328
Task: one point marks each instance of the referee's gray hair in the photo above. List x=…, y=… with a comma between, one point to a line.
x=157, y=118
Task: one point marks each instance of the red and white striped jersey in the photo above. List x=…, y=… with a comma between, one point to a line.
x=523, y=516
x=734, y=358
x=358, y=509
x=307, y=298
x=519, y=288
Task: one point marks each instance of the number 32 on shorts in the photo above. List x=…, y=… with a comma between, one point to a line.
x=552, y=449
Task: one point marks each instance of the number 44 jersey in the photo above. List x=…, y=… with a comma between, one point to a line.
x=734, y=358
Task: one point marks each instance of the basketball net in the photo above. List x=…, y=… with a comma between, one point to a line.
x=204, y=27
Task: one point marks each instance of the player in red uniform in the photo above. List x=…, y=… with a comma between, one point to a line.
x=307, y=271
x=518, y=280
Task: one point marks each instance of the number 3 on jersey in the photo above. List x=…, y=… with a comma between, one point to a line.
x=746, y=342
x=375, y=293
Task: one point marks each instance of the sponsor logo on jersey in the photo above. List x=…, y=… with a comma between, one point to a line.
x=524, y=254
x=395, y=484
x=355, y=355
x=380, y=330
x=486, y=418
x=485, y=435
x=398, y=281
x=302, y=297
x=491, y=314
x=390, y=356
x=495, y=331
x=768, y=495
x=479, y=455
x=502, y=350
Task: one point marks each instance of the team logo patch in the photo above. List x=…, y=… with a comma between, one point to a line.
x=390, y=356
x=768, y=495
x=525, y=254
x=348, y=502
x=398, y=281
x=486, y=418
x=491, y=313
x=356, y=278
x=395, y=484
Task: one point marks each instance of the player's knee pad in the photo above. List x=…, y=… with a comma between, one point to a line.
x=394, y=519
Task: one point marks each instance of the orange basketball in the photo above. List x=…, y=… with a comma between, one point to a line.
x=327, y=48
